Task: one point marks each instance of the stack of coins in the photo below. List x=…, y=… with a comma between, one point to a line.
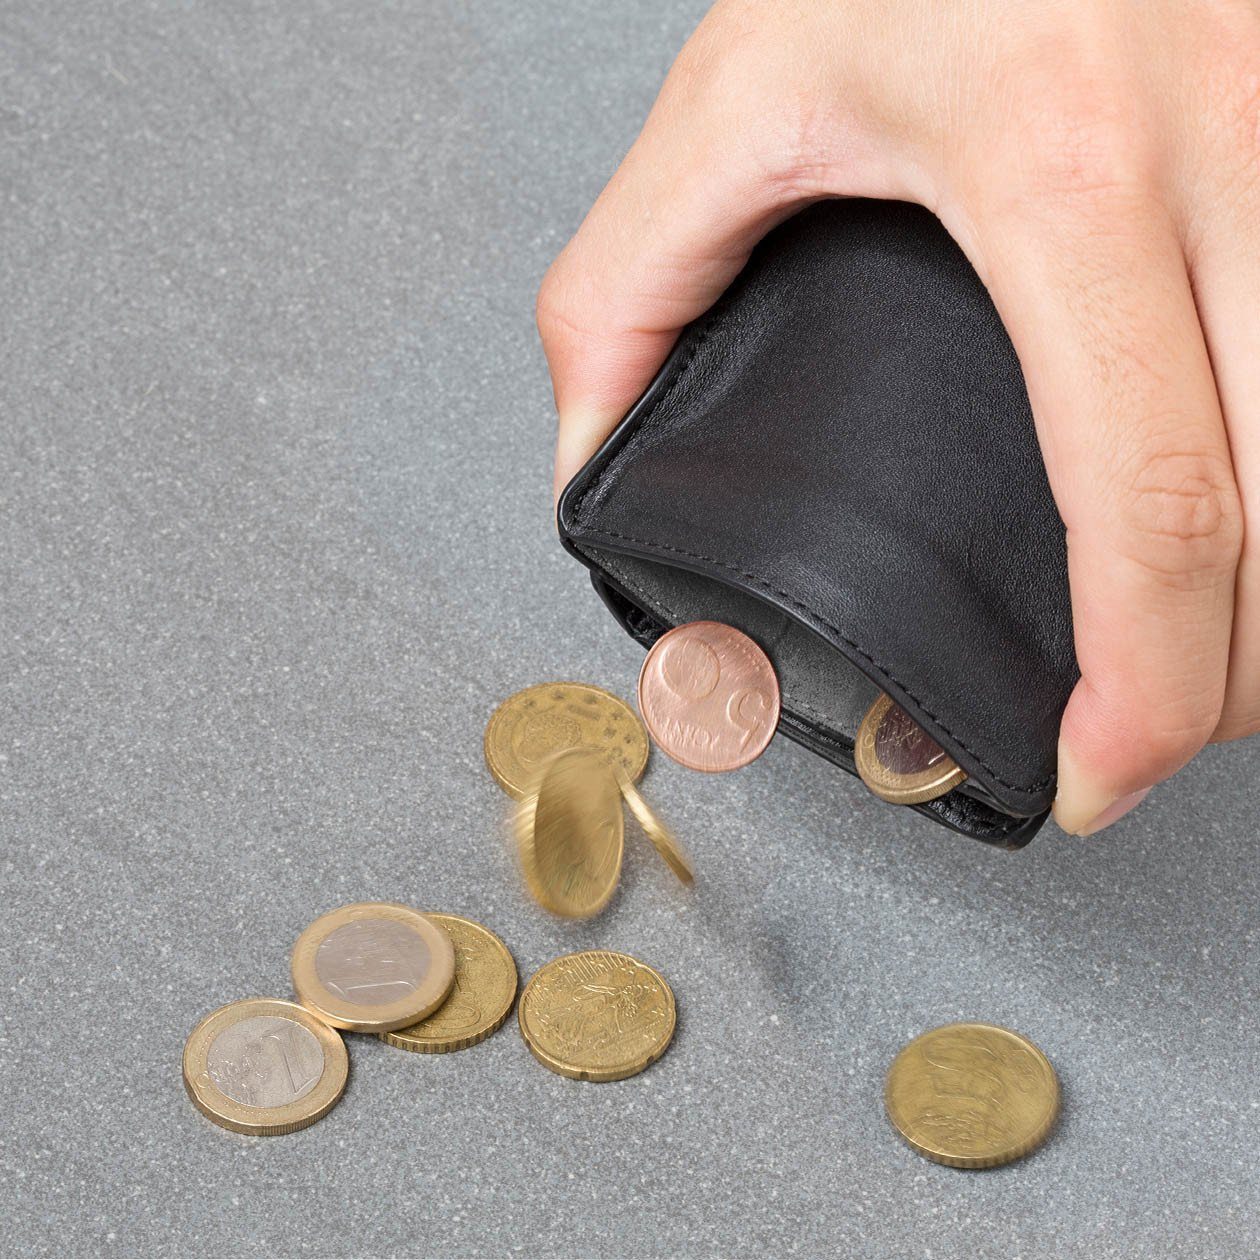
x=427, y=983
x=570, y=754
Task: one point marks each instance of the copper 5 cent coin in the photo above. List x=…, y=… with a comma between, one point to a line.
x=898, y=760
x=709, y=696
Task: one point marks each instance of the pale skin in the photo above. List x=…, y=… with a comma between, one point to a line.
x=1099, y=163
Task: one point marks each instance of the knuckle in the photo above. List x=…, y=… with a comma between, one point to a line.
x=553, y=308
x=1082, y=131
x=1182, y=513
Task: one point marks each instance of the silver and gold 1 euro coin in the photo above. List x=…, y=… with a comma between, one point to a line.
x=373, y=966
x=264, y=1066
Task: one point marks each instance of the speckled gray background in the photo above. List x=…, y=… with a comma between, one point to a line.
x=275, y=537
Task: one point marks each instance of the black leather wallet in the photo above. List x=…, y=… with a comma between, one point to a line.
x=839, y=459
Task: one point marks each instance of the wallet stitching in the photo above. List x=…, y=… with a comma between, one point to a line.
x=686, y=362
x=866, y=656
x=1003, y=828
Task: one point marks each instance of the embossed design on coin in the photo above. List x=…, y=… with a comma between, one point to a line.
x=372, y=962
x=972, y=1095
x=898, y=760
x=373, y=966
x=535, y=724
x=570, y=835
x=597, y=1016
x=264, y=1067
x=709, y=696
x=266, y=1061
x=479, y=1002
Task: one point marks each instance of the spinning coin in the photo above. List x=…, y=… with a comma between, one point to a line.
x=709, y=696
x=479, y=1002
x=535, y=724
x=662, y=838
x=898, y=760
x=264, y=1067
x=972, y=1095
x=570, y=833
x=597, y=1016
x=373, y=967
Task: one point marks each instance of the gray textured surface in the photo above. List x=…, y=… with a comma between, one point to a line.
x=275, y=538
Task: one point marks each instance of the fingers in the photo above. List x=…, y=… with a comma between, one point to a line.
x=668, y=234
x=1224, y=251
x=1095, y=294
x=720, y=161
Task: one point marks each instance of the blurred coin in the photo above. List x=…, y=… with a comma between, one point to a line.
x=264, y=1067
x=570, y=833
x=541, y=721
x=898, y=760
x=709, y=696
x=661, y=837
x=597, y=1016
x=972, y=1095
x=479, y=1002
x=373, y=967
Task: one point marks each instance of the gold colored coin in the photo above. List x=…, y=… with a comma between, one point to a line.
x=570, y=834
x=662, y=838
x=972, y=1095
x=535, y=724
x=485, y=988
x=597, y=1016
x=264, y=1067
x=373, y=967
x=898, y=760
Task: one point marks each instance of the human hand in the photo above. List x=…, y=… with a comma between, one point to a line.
x=1100, y=165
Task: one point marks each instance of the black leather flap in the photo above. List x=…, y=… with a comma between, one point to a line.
x=846, y=437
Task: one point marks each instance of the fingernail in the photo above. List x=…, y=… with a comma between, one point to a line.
x=1084, y=806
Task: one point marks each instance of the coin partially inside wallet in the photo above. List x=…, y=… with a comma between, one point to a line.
x=839, y=460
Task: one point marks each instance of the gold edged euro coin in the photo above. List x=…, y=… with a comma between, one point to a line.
x=373, y=966
x=570, y=834
x=898, y=760
x=533, y=725
x=480, y=1000
x=264, y=1067
x=597, y=1015
x=972, y=1095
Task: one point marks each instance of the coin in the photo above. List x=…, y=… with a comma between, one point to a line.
x=972, y=1095
x=373, y=967
x=709, y=696
x=898, y=760
x=479, y=1002
x=541, y=721
x=661, y=837
x=570, y=834
x=597, y=1016
x=264, y=1066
